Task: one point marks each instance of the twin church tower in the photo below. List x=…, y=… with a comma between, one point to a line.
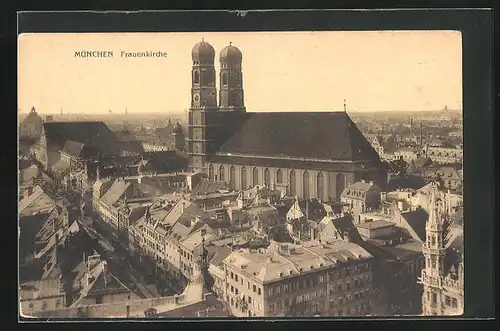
x=204, y=89
x=205, y=115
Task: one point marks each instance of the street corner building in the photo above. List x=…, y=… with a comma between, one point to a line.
x=311, y=155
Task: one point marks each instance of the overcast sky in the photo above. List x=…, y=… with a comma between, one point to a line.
x=282, y=71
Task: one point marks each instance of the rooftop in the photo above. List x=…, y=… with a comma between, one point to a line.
x=269, y=266
x=378, y=224
x=115, y=192
x=270, y=134
x=36, y=203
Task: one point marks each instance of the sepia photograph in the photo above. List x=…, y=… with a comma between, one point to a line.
x=240, y=174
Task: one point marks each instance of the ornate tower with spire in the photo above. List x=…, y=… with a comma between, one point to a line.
x=231, y=80
x=203, y=111
x=434, y=254
x=442, y=278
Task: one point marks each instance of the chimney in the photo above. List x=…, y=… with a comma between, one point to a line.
x=182, y=207
x=371, y=182
x=400, y=205
x=383, y=196
x=347, y=237
x=104, y=269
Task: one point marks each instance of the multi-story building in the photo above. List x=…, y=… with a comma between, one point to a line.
x=191, y=250
x=119, y=203
x=40, y=295
x=361, y=196
x=329, y=279
x=443, y=274
x=32, y=125
x=444, y=155
x=406, y=154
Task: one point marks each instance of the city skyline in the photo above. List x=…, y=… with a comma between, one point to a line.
x=415, y=70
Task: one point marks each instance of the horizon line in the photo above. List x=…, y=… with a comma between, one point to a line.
x=261, y=111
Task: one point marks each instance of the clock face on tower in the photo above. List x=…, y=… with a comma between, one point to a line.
x=196, y=97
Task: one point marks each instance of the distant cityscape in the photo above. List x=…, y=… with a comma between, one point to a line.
x=215, y=211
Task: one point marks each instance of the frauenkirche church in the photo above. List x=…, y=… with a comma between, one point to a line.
x=308, y=154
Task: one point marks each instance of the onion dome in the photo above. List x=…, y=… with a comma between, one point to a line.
x=230, y=55
x=203, y=52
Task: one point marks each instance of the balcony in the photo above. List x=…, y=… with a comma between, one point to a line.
x=433, y=281
x=454, y=284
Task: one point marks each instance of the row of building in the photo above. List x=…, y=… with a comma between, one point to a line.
x=206, y=226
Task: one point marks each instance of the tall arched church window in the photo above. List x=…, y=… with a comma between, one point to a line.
x=293, y=184
x=232, y=177
x=222, y=176
x=244, y=185
x=255, y=176
x=267, y=178
x=224, y=79
x=211, y=172
x=305, y=185
x=320, y=186
x=279, y=176
x=339, y=185
x=196, y=77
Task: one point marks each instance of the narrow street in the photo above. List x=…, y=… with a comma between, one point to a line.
x=140, y=276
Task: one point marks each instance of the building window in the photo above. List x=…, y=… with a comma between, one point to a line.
x=236, y=277
x=222, y=176
x=320, y=186
x=434, y=298
x=454, y=302
x=305, y=185
x=260, y=291
x=196, y=77
x=279, y=176
x=232, y=275
x=244, y=178
x=236, y=291
x=447, y=300
x=254, y=288
x=339, y=184
x=224, y=79
x=249, y=299
x=271, y=308
x=232, y=176
x=292, y=183
x=255, y=176
x=232, y=289
x=267, y=178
